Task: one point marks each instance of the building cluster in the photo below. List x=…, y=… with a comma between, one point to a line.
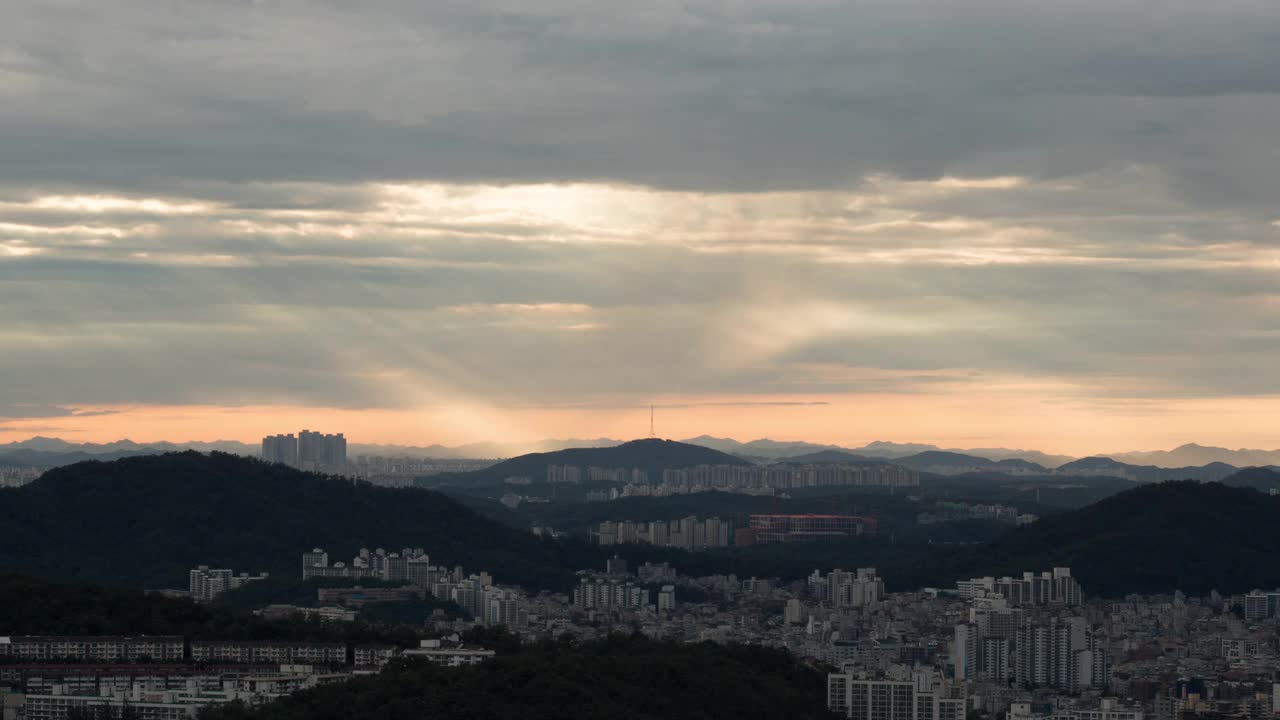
x=790, y=477
x=769, y=528
x=18, y=476
x=574, y=475
x=1043, y=651
x=1015, y=648
x=166, y=678
x=1259, y=605
x=693, y=533
x=308, y=451
x=96, y=648
x=901, y=695
x=604, y=593
x=477, y=594
x=1034, y=649
x=1046, y=588
x=205, y=583
x=770, y=480
x=842, y=589
x=742, y=479
x=398, y=471
x=944, y=512
x=690, y=533
x=410, y=564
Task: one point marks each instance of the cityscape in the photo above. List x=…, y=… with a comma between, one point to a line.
x=677, y=360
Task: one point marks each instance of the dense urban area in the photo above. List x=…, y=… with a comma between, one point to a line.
x=1035, y=643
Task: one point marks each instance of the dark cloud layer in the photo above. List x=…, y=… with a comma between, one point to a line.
x=390, y=203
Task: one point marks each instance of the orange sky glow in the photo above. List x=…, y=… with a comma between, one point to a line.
x=960, y=420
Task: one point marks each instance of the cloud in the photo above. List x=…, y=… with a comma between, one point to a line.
x=527, y=204
x=24, y=411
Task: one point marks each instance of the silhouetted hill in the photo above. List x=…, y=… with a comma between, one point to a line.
x=942, y=462
x=1020, y=466
x=831, y=457
x=652, y=455
x=1259, y=478
x=1155, y=538
x=1195, y=455
x=619, y=677
x=1144, y=473
x=148, y=520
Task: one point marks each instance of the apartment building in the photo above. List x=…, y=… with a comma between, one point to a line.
x=94, y=649
x=861, y=697
x=233, y=651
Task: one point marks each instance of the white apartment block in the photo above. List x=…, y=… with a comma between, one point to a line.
x=861, y=698
x=1047, y=588
x=207, y=583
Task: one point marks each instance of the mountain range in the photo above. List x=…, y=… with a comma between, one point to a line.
x=51, y=452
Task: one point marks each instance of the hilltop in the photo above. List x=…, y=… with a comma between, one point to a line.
x=148, y=520
x=1258, y=478
x=651, y=455
x=1145, y=473
x=1155, y=538
x=941, y=462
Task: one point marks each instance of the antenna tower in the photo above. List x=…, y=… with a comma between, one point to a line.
x=651, y=432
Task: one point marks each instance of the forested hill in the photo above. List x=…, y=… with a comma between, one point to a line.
x=148, y=520
x=1156, y=538
x=651, y=455
x=35, y=606
x=619, y=677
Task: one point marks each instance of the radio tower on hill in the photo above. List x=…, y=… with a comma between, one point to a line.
x=652, y=434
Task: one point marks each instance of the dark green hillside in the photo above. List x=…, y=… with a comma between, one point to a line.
x=630, y=678
x=34, y=606
x=1258, y=478
x=148, y=520
x=1155, y=538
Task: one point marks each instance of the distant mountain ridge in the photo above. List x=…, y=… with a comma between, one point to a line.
x=1258, y=478
x=1192, y=454
x=1145, y=473
x=1184, y=456
x=779, y=450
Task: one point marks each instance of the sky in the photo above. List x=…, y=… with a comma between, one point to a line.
x=1031, y=224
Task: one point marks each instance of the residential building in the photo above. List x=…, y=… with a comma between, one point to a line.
x=207, y=583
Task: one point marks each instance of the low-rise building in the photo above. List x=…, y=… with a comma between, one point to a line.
x=242, y=651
